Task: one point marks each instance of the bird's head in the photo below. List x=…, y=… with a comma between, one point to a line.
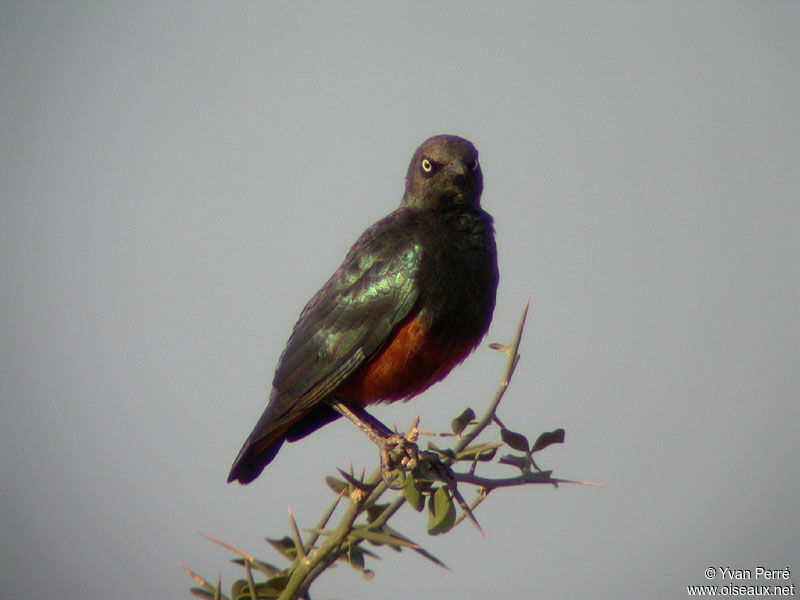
x=444, y=173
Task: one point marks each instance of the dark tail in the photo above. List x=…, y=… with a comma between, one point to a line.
x=259, y=449
x=252, y=459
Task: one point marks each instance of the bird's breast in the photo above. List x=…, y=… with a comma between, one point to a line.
x=407, y=365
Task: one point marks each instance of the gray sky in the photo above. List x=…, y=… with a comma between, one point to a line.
x=178, y=180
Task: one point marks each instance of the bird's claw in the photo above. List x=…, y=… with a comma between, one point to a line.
x=400, y=454
x=397, y=453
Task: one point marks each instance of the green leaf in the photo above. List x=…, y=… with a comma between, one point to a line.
x=268, y=589
x=285, y=546
x=240, y=589
x=353, y=555
x=482, y=452
x=443, y=451
x=424, y=475
x=441, y=512
x=375, y=511
x=337, y=485
x=382, y=536
x=200, y=593
x=548, y=437
x=521, y=462
x=412, y=494
x=515, y=440
x=460, y=423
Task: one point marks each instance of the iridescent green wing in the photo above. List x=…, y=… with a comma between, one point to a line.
x=347, y=321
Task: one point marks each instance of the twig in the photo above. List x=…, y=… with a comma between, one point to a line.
x=344, y=541
x=513, y=358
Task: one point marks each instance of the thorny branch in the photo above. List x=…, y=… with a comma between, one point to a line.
x=432, y=481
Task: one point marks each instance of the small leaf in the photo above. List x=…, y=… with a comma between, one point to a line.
x=200, y=593
x=375, y=511
x=354, y=558
x=516, y=440
x=284, y=545
x=272, y=588
x=412, y=494
x=548, y=437
x=441, y=512
x=501, y=347
x=278, y=583
x=461, y=421
x=382, y=536
x=424, y=475
x=354, y=555
x=521, y=462
x=423, y=481
x=482, y=452
x=239, y=587
x=443, y=451
x=337, y=485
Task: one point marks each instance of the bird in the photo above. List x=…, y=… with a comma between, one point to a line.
x=412, y=299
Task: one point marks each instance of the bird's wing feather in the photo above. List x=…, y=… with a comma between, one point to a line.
x=344, y=324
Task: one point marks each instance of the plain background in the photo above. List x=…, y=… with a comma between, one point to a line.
x=177, y=179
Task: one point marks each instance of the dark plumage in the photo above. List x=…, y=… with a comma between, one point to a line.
x=413, y=297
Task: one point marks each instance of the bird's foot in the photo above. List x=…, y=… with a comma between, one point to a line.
x=397, y=453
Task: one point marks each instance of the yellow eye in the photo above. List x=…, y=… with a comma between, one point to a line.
x=427, y=165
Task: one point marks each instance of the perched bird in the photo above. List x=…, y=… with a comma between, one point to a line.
x=413, y=297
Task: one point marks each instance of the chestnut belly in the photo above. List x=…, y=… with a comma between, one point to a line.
x=409, y=364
